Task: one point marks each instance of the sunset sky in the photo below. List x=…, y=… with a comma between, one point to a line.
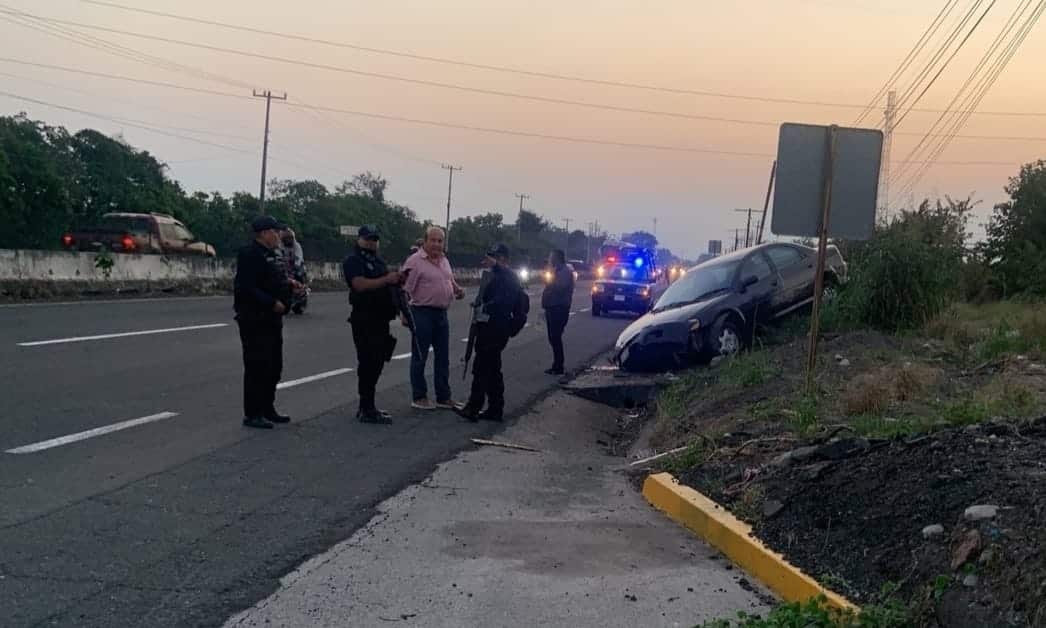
x=812, y=50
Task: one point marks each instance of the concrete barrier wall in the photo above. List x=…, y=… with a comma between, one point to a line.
x=26, y=265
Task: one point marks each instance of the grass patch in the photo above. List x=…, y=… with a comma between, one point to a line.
x=817, y=614
x=986, y=333
x=1001, y=398
x=875, y=391
x=747, y=370
x=692, y=456
x=804, y=417
x=875, y=426
x=675, y=400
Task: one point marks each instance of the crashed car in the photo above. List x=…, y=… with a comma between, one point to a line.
x=713, y=308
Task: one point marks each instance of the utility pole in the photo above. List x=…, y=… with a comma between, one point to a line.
x=519, y=219
x=884, y=171
x=655, y=227
x=588, y=242
x=737, y=238
x=267, y=95
x=766, y=203
x=450, y=187
x=748, y=229
x=566, y=236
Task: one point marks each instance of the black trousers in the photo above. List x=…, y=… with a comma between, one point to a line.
x=372, y=346
x=262, y=366
x=556, y=322
x=488, y=383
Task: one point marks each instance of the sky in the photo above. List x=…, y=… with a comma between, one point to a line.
x=828, y=51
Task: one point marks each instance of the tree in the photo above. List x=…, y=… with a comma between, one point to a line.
x=530, y=222
x=297, y=195
x=641, y=239
x=1015, y=249
x=365, y=184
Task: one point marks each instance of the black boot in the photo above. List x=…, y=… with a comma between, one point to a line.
x=257, y=422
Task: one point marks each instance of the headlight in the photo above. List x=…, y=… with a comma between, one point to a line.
x=524, y=274
x=597, y=288
x=600, y=271
x=644, y=292
x=548, y=276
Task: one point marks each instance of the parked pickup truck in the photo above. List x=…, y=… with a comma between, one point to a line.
x=157, y=234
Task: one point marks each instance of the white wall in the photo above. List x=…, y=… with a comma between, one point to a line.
x=25, y=265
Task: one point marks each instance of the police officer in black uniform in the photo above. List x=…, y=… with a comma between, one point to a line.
x=371, y=286
x=494, y=306
x=261, y=295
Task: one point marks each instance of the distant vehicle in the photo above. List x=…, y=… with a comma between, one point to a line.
x=547, y=274
x=626, y=284
x=714, y=307
x=582, y=268
x=150, y=234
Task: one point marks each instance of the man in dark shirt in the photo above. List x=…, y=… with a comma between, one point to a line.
x=556, y=300
x=373, y=302
x=494, y=306
x=261, y=294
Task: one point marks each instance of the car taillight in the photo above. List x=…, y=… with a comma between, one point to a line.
x=67, y=240
x=128, y=243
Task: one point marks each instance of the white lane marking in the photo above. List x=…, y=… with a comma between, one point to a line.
x=98, y=431
x=312, y=378
x=402, y=356
x=573, y=313
x=148, y=332
x=585, y=309
x=464, y=340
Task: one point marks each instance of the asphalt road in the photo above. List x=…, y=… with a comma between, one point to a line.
x=185, y=516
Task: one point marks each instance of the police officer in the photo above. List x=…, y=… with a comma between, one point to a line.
x=556, y=300
x=494, y=306
x=261, y=294
x=371, y=286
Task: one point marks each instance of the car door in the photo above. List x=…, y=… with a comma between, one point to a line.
x=758, y=298
x=795, y=276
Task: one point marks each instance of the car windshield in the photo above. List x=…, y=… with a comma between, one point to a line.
x=625, y=272
x=698, y=283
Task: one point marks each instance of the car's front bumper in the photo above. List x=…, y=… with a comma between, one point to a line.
x=659, y=348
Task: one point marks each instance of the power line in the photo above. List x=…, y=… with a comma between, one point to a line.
x=927, y=35
x=985, y=85
x=165, y=126
x=130, y=123
x=117, y=77
x=480, y=66
x=946, y=63
x=932, y=133
x=53, y=29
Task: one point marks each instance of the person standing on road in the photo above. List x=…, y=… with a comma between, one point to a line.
x=556, y=301
x=497, y=318
x=431, y=287
x=373, y=306
x=260, y=297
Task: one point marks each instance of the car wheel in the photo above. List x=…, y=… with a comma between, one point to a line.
x=725, y=338
x=596, y=309
x=830, y=291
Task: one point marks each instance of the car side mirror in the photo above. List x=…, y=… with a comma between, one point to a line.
x=748, y=282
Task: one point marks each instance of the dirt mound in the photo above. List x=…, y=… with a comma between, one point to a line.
x=861, y=515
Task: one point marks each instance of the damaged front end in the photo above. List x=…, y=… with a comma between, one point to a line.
x=655, y=348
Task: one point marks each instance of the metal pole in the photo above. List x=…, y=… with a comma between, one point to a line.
x=519, y=219
x=822, y=247
x=748, y=229
x=766, y=203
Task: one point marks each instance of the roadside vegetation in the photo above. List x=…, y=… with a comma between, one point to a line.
x=927, y=399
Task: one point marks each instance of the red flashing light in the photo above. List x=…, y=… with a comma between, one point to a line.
x=128, y=243
x=67, y=240
x=611, y=259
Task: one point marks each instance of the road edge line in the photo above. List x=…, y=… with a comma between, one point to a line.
x=733, y=537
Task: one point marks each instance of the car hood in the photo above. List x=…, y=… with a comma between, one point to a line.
x=671, y=317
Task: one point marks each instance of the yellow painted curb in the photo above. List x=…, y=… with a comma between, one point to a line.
x=733, y=538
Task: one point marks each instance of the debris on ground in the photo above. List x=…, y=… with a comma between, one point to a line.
x=494, y=443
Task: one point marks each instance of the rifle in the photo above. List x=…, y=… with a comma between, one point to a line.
x=474, y=324
x=399, y=295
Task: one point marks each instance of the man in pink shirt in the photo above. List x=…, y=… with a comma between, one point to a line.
x=431, y=287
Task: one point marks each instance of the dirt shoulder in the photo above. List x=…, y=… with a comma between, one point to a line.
x=866, y=481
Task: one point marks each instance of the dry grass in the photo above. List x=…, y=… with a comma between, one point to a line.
x=873, y=392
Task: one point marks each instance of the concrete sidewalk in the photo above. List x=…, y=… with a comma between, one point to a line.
x=509, y=538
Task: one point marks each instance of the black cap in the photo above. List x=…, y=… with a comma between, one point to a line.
x=498, y=250
x=369, y=232
x=264, y=223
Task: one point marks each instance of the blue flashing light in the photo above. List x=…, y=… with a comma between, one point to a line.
x=638, y=262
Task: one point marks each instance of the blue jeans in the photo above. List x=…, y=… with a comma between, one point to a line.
x=432, y=329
